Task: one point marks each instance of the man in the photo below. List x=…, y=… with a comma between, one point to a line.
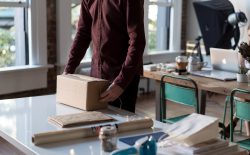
x=116, y=30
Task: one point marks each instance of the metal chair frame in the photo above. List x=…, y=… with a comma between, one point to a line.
x=242, y=113
x=163, y=106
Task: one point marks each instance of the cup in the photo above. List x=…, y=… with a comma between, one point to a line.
x=196, y=66
x=248, y=75
x=181, y=59
x=200, y=65
x=181, y=62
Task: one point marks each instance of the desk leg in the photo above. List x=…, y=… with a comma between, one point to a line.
x=157, y=101
x=202, y=101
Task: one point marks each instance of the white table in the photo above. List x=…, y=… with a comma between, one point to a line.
x=21, y=118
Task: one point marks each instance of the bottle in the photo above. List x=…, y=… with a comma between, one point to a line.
x=108, y=137
x=149, y=147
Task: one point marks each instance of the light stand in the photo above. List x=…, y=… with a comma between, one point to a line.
x=198, y=48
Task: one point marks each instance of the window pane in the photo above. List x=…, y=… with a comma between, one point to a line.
x=75, y=12
x=11, y=37
x=158, y=28
x=152, y=15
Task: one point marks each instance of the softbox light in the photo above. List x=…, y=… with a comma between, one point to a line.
x=212, y=18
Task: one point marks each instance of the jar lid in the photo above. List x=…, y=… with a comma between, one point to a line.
x=181, y=59
x=107, y=130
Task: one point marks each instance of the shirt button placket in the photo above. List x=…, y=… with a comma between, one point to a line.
x=100, y=36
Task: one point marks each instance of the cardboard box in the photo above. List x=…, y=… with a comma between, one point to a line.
x=80, y=91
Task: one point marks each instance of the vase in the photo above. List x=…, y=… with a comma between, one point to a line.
x=242, y=78
x=247, y=63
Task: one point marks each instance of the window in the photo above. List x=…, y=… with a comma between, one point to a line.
x=75, y=12
x=13, y=33
x=158, y=25
x=162, y=18
x=23, y=45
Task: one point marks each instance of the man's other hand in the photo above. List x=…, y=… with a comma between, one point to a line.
x=111, y=94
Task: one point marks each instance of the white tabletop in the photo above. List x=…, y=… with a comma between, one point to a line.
x=21, y=118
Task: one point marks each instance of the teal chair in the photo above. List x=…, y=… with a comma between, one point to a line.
x=187, y=96
x=222, y=125
x=242, y=111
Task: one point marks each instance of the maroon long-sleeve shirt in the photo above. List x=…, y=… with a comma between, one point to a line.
x=116, y=30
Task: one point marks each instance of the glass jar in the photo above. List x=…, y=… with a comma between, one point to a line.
x=108, y=138
x=181, y=62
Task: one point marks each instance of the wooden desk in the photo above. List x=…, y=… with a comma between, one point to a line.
x=21, y=118
x=204, y=85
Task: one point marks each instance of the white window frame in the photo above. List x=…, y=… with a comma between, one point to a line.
x=18, y=78
x=19, y=35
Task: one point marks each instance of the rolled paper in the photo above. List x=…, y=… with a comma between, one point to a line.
x=70, y=134
x=135, y=125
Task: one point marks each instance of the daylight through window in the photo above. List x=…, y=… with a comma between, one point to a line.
x=158, y=12
x=13, y=36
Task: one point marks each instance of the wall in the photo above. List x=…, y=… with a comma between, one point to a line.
x=51, y=25
x=192, y=27
x=184, y=31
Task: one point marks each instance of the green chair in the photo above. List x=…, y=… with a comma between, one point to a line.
x=222, y=125
x=242, y=111
x=187, y=96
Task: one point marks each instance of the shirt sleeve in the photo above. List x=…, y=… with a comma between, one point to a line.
x=81, y=41
x=135, y=29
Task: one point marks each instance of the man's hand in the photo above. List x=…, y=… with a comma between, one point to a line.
x=111, y=94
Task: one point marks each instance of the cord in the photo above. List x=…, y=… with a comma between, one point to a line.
x=120, y=102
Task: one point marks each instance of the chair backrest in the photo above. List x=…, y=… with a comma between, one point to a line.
x=180, y=94
x=241, y=108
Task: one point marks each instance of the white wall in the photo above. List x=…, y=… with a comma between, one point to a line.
x=192, y=27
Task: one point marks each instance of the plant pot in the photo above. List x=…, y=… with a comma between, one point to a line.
x=242, y=78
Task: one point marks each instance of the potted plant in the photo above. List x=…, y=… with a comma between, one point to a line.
x=242, y=74
x=244, y=50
